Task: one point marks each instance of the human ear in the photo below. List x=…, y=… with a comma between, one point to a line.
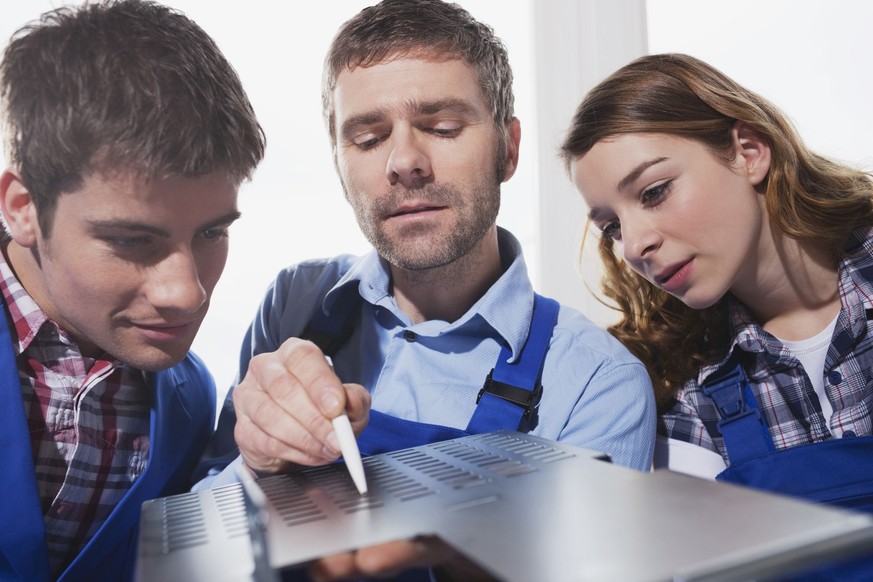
x=753, y=152
x=513, y=138
x=18, y=210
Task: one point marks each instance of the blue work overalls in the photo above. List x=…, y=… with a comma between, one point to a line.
x=836, y=471
x=506, y=401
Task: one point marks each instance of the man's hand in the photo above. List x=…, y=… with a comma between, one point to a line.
x=391, y=558
x=285, y=404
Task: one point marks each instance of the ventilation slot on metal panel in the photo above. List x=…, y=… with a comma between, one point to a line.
x=291, y=500
x=232, y=510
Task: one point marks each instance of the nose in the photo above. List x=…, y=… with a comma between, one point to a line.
x=639, y=239
x=175, y=284
x=408, y=161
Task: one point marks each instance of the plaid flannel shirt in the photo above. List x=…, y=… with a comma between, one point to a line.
x=88, y=419
x=784, y=393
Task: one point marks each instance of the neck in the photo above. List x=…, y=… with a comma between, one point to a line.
x=446, y=293
x=25, y=264
x=795, y=291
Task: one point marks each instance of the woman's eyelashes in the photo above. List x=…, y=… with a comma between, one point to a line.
x=649, y=197
x=655, y=195
x=612, y=230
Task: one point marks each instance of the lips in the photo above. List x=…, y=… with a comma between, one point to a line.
x=665, y=275
x=165, y=326
x=406, y=210
x=166, y=331
x=675, y=276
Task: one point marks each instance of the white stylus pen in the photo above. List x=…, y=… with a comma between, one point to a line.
x=349, y=447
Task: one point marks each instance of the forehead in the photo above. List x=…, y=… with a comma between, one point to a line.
x=399, y=85
x=621, y=154
x=128, y=197
x=615, y=162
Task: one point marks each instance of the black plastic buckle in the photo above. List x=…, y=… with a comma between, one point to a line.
x=725, y=387
x=527, y=399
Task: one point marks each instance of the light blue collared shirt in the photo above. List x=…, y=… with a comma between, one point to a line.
x=595, y=393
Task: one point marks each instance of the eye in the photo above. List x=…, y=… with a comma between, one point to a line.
x=127, y=242
x=216, y=234
x=134, y=249
x=656, y=194
x=368, y=140
x=446, y=129
x=611, y=230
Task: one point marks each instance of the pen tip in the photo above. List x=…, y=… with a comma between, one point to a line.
x=361, y=485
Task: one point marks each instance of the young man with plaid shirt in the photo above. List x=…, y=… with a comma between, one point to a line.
x=128, y=135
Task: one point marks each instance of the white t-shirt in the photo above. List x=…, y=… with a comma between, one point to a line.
x=812, y=353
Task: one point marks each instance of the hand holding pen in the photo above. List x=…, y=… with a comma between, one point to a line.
x=286, y=406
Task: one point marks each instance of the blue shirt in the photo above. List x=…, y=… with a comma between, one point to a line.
x=595, y=393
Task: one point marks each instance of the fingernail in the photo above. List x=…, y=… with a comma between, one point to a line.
x=329, y=402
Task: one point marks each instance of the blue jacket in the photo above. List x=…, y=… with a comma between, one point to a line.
x=182, y=419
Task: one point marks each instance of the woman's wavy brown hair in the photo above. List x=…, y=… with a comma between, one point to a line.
x=807, y=196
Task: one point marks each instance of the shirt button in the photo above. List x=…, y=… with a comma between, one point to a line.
x=61, y=509
x=835, y=378
x=409, y=336
x=848, y=434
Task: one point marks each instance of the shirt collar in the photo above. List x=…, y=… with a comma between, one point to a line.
x=25, y=315
x=507, y=306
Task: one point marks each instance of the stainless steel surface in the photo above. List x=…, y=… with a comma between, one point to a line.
x=523, y=508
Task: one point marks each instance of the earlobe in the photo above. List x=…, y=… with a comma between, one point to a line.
x=18, y=210
x=513, y=138
x=753, y=151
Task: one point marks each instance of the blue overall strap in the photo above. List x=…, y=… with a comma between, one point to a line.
x=512, y=390
x=742, y=424
x=330, y=332
x=385, y=433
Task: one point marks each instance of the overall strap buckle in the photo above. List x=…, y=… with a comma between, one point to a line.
x=725, y=387
x=527, y=399
x=742, y=425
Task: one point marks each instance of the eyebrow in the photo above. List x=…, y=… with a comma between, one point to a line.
x=637, y=172
x=452, y=105
x=132, y=226
x=411, y=108
x=596, y=213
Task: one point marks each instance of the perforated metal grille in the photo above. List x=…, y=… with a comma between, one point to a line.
x=445, y=473
x=313, y=495
x=231, y=510
x=290, y=501
x=393, y=482
x=534, y=451
x=180, y=533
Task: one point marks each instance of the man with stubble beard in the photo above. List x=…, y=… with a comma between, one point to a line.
x=418, y=102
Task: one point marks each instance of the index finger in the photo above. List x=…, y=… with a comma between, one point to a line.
x=306, y=362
